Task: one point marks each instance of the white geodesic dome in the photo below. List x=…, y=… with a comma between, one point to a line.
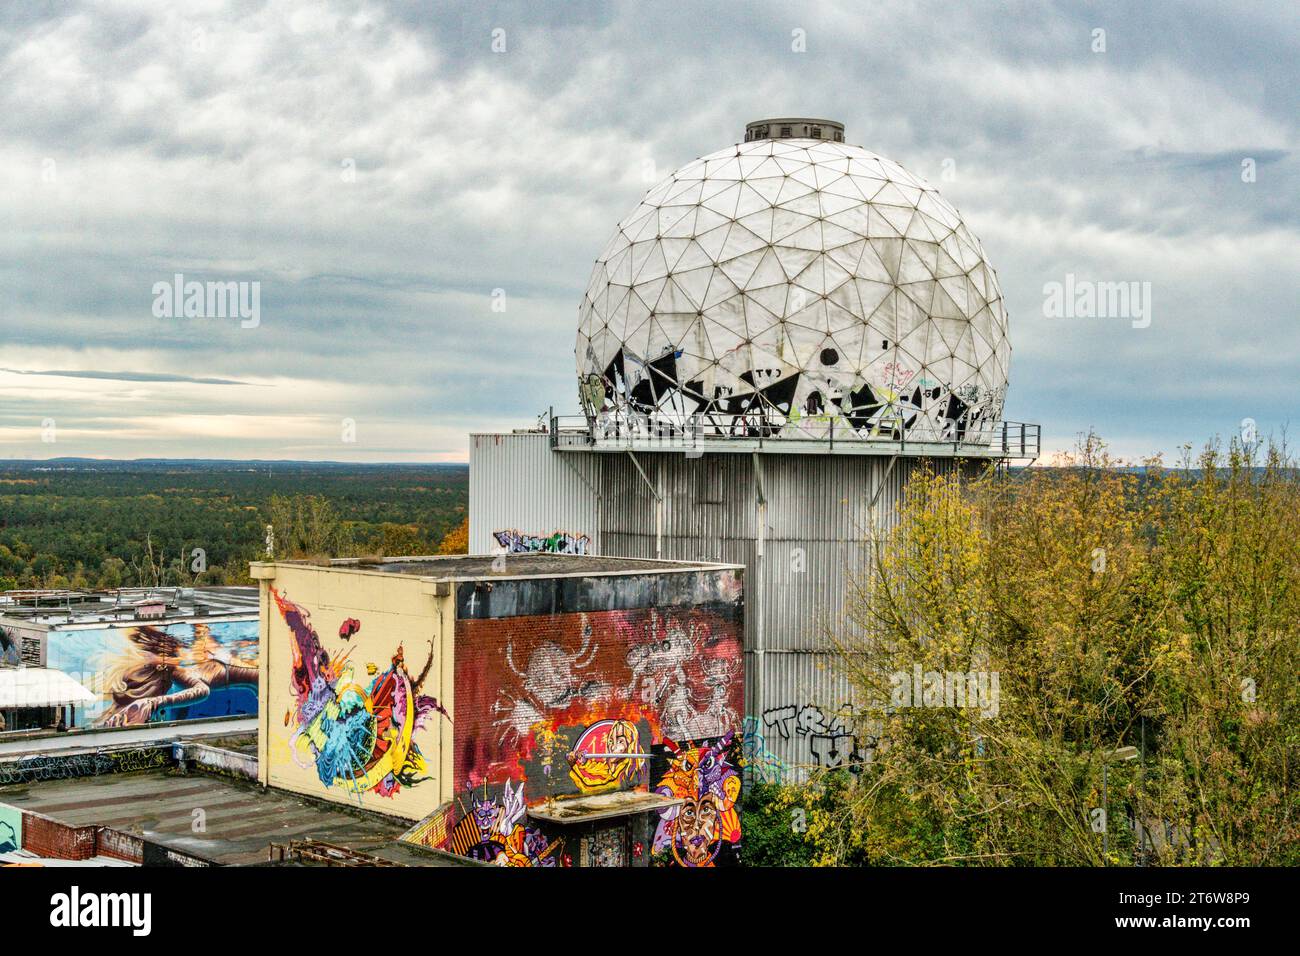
x=780, y=284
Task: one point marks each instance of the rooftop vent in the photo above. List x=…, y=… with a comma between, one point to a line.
x=792, y=127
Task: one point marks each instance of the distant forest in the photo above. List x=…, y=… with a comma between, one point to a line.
x=90, y=524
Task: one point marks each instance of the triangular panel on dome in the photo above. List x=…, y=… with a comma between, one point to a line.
x=791, y=189
x=854, y=218
x=695, y=283
x=676, y=298
x=897, y=218
x=724, y=201
x=834, y=235
x=767, y=187
x=750, y=200
x=741, y=269
x=692, y=256
x=760, y=223
x=771, y=270
x=740, y=241
x=809, y=204
x=809, y=237
x=772, y=298
x=794, y=261
x=720, y=289
x=682, y=194
x=683, y=226
x=786, y=222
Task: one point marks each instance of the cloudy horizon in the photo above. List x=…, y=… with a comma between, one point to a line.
x=404, y=202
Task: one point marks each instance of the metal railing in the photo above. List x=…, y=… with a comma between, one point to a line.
x=622, y=430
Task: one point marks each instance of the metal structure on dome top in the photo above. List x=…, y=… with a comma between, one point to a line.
x=796, y=289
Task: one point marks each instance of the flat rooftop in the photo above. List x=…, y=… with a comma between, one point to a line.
x=65, y=608
x=242, y=819
x=461, y=567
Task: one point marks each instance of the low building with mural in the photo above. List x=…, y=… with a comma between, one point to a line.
x=144, y=655
x=528, y=709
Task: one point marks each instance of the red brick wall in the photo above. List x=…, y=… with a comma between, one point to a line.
x=50, y=838
x=529, y=688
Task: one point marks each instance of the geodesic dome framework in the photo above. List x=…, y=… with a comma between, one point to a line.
x=777, y=286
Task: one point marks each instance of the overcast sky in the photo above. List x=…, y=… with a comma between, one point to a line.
x=380, y=170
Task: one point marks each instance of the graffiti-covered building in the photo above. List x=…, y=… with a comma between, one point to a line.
x=144, y=654
x=527, y=709
x=771, y=343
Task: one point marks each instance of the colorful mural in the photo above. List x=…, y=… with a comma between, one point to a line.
x=704, y=830
x=11, y=829
x=357, y=733
x=10, y=648
x=166, y=672
x=559, y=706
x=493, y=830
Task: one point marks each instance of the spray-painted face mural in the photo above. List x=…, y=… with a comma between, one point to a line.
x=606, y=756
x=357, y=733
x=704, y=830
x=168, y=672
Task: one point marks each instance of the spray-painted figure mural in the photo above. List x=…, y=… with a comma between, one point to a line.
x=357, y=734
x=552, y=678
x=704, y=830
x=606, y=756
x=493, y=831
x=688, y=707
x=562, y=706
x=161, y=672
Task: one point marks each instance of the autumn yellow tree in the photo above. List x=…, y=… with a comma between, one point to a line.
x=1091, y=664
x=456, y=540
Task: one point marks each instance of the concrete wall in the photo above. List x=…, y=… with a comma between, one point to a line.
x=356, y=688
x=640, y=664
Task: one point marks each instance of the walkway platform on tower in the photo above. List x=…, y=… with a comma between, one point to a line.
x=811, y=435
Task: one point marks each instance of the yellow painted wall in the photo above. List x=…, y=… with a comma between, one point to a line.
x=393, y=611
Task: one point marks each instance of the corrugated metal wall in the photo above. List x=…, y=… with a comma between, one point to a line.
x=818, y=516
x=517, y=483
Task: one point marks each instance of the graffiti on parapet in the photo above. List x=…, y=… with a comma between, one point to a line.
x=44, y=767
x=830, y=739
x=558, y=542
x=761, y=763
